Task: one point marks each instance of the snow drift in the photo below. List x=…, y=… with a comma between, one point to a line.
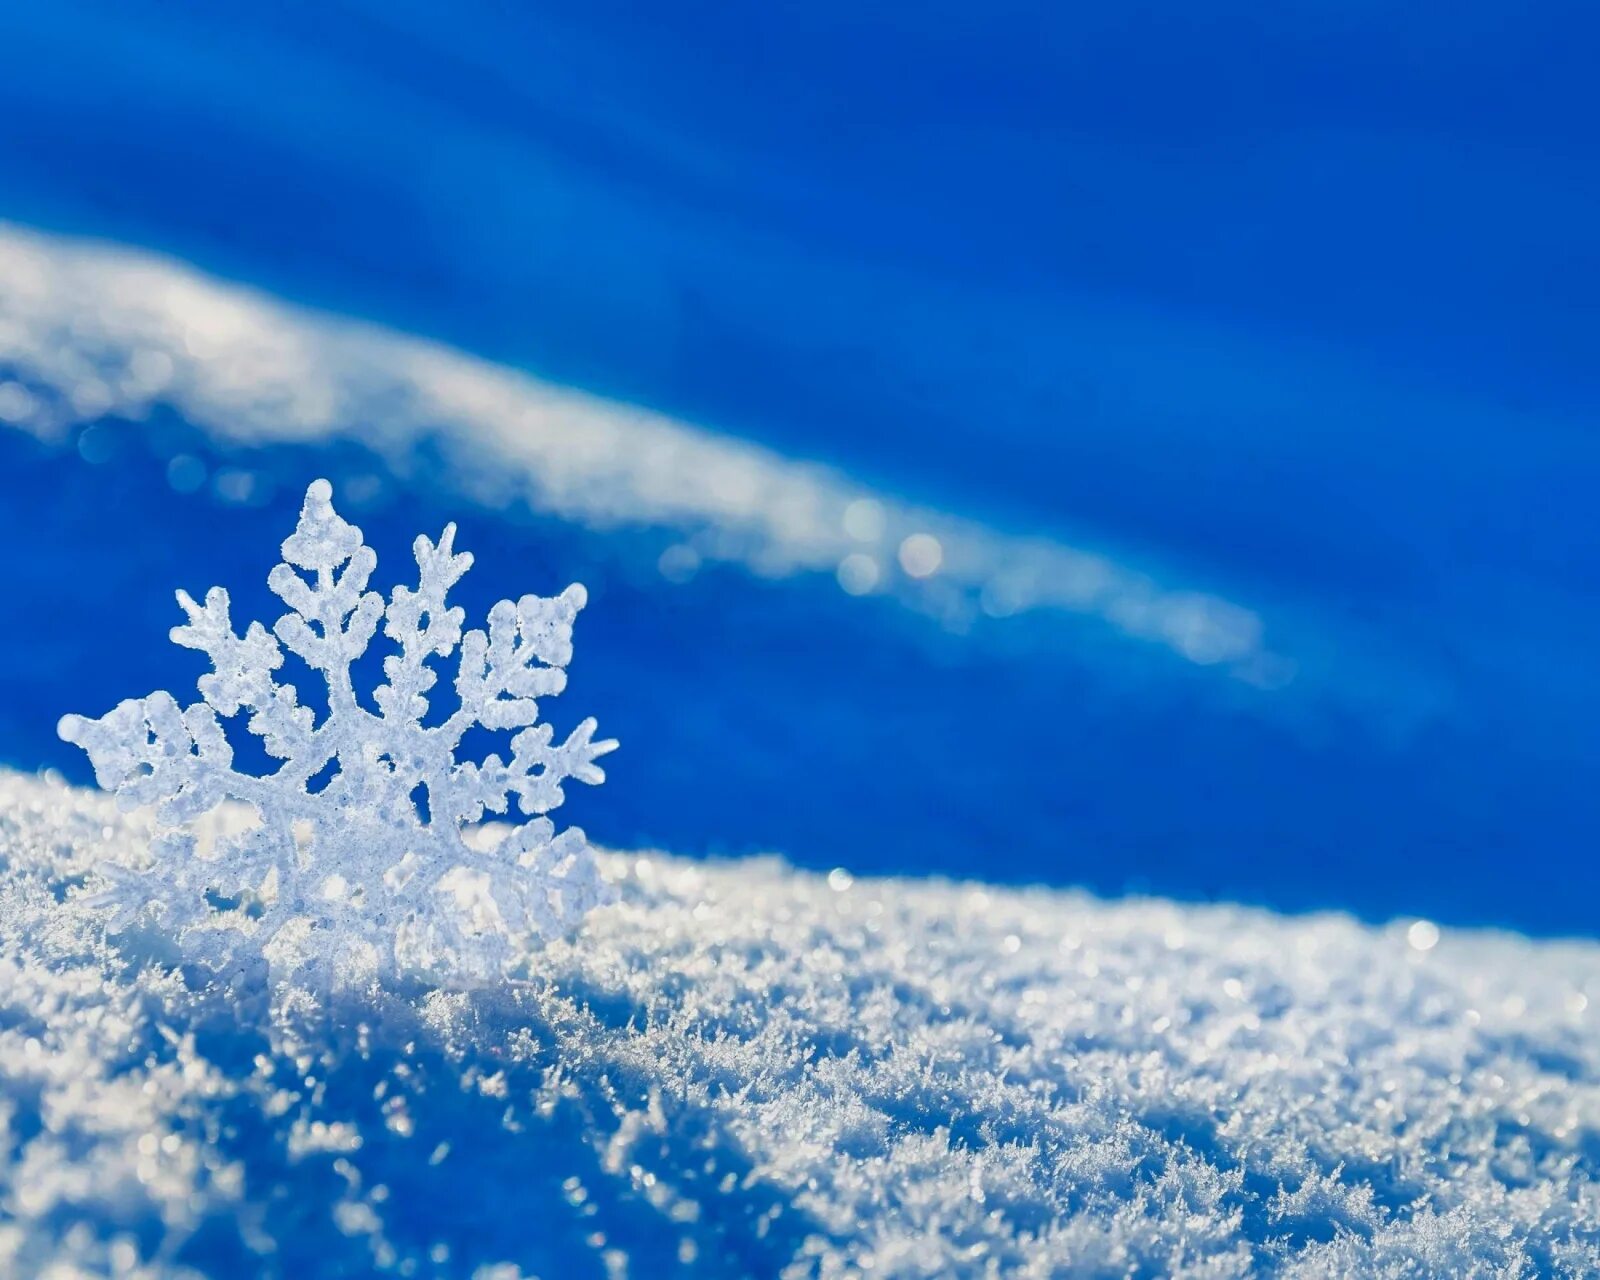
x=743, y=1069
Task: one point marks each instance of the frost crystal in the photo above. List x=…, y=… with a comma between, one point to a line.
x=367, y=870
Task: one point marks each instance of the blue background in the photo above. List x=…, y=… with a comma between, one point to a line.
x=1299, y=303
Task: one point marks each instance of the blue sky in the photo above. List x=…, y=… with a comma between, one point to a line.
x=1294, y=305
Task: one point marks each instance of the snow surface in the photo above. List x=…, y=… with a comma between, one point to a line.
x=743, y=1069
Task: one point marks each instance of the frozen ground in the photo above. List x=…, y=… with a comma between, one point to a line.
x=743, y=1069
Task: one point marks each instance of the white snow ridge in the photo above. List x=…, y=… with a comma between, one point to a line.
x=90, y=330
x=741, y=1069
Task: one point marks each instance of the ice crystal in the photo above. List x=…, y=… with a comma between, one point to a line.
x=366, y=870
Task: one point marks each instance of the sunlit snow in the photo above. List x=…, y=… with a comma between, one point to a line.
x=92, y=331
x=785, y=1073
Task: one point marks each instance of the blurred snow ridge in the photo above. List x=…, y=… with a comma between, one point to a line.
x=746, y=1070
x=91, y=331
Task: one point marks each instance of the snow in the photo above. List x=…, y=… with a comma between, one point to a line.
x=355, y=874
x=743, y=1069
x=90, y=332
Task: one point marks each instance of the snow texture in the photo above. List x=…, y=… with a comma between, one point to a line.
x=368, y=872
x=745, y=1070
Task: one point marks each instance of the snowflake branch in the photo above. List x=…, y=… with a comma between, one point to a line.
x=332, y=621
x=420, y=623
x=241, y=675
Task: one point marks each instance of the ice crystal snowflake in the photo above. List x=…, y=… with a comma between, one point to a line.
x=367, y=870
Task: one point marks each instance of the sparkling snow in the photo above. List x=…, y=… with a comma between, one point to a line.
x=747, y=1069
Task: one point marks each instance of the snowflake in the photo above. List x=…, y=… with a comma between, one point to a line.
x=357, y=860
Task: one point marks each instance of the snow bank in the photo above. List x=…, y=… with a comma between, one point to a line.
x=742, y=1069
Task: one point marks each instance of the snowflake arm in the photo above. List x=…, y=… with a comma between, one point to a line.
x=502, y=674
x=333, y=617
x=423, y=627
x=241, y=676
x=521, y=659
